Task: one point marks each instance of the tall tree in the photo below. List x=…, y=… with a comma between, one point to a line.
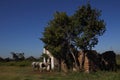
x=66, y=34
x=55, y=35
x=89, y=26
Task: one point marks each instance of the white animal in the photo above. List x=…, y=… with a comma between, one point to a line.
x=40, y=66
x=35, y=65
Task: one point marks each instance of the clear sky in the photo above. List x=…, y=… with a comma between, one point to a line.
x=23, y=21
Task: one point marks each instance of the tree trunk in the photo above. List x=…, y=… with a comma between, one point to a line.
x=59, y=64
x=81, y=60
x=76, y=66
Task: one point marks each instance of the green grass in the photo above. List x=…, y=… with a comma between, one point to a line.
x=23, y=71
x=14, y=63
x=85, y=76
x=17, y=73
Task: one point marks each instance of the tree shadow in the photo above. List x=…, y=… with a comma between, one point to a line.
x=118, y=66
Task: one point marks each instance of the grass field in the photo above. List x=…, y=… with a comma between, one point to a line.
x=23, y=71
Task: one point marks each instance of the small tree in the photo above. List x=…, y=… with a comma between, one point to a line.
x=18, y=56
x=21, y=56
x=15, y=56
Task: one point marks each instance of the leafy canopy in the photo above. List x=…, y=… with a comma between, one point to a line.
x=89, y=26
x=79, y=31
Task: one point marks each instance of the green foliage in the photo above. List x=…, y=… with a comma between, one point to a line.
x=55, y=33
x=44, y=55
x=18, y=56
x=89, y=25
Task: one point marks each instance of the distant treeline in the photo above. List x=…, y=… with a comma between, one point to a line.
x=31, y=58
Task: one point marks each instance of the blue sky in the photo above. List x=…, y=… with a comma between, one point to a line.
x=23, y=21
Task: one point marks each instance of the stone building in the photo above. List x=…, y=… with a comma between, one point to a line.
x=88, y=61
